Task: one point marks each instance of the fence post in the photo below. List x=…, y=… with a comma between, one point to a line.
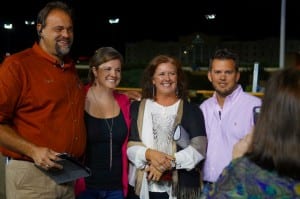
x=255, y=77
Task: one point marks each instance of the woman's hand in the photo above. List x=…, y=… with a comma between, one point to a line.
x=243, y=146
x=161, y=161
x=153, y=173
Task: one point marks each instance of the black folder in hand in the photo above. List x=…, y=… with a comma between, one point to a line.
x=72, y=170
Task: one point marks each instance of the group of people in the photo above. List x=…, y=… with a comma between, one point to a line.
x=128, y=144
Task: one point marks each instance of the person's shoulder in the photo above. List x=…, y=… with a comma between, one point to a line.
x=191, y=107
x=137, y=103
x=18, y=56
x=17, y=60
x=190, y=104
x=120, y=96
x=238, y=164
x=241, y=160
x=207, y=100
x=134, y=106
x=206, y=103
x=122, y=99
x=87, y=87
x=251, y=98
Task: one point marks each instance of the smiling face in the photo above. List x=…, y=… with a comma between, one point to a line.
x=108, y=74
x=165, y=79
x=223, y=76
x=56, y=37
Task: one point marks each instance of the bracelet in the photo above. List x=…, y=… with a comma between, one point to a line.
x=173, y=163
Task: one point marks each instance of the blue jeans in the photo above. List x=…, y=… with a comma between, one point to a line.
x=100, y=194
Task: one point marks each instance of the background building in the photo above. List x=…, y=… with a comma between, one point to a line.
x=195, y=50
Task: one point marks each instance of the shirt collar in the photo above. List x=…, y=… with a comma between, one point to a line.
x=67, y=60
x=231, y=96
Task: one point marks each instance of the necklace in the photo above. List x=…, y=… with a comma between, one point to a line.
x=109, y=127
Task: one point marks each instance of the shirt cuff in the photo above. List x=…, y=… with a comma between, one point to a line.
x=187, y=158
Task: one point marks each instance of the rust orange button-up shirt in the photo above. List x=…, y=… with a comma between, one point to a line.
x=43, y=101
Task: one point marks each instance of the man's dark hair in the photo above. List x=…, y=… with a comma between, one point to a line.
x=224, y=54
x=44, y=12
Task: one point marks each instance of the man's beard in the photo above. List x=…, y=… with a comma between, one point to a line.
x=63, y=51
x=225, y=93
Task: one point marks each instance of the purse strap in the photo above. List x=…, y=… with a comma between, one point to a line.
x=141, y=116
x=179, y=113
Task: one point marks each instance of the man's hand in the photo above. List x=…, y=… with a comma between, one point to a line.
x=45, y=158
x=133, y=95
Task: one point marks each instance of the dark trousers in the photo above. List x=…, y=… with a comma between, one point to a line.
x=152, y=195
x=131, y=193
x=159, y=195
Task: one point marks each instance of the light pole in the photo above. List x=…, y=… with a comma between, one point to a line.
x=282, y=35
x=113, y=22
x=8, y=27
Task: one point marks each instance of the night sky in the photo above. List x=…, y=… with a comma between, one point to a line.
x=162, y=20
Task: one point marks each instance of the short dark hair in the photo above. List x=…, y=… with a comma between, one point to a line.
x=44, y=12
x=276, y=144
x=224, y=54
